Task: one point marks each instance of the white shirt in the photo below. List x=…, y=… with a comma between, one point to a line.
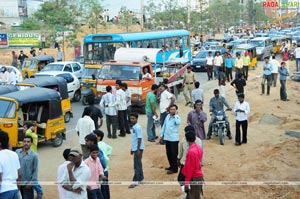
x=297, y=52
x=120, y=100
x=147, y=75
x=107, y=103
x=4, y=77
x=242, y=116
x=197, y=94
x=209, y=60
x=85, y=126
x=60, y=171
x=82, y=175
x=9, y=165
x=275, y=65
x=165, y=101
x=128, y=97
x=11, y=78
x=218, y=61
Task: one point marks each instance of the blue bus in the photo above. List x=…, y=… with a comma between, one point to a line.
x=99, y=48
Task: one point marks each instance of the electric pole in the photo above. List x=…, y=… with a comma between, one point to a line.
x=142, y=15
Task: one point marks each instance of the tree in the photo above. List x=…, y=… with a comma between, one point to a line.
x=92, y=13
x=30, y=24
x=127, y=18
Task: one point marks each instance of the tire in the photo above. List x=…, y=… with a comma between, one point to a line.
x=221, y=136
x=67, y=117
x=56, y=142
x=77, y=96
x=84, y=100
x=142, y=110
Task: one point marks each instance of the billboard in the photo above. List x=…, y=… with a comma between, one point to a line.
x=3, y=40
x=24, y=39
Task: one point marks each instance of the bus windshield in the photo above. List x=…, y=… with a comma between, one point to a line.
x=100, y=51
x=8, y=109
x=121, y=72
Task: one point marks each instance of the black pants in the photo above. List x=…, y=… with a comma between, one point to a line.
x=229, y=74
x=238, y=131
x=283, y=95
x=172, y=153
x=122, y=118
x=209, y=71
x=111, y=120
x=127, y=123
x=245, y=72
x=238, y=71
x=267, y=78
x=105, y=187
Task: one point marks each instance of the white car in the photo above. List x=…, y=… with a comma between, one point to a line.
x=19, y=77
x=67, y=66
x=73, y=82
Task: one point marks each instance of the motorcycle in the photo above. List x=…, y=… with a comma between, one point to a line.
x=292, y=55
x=220, y=126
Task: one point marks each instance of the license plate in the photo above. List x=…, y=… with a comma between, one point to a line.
x=198, y=66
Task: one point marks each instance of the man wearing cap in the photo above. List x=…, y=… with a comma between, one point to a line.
x=76, y=176
x=188, y=81
x=246, y=62
x=267, y=76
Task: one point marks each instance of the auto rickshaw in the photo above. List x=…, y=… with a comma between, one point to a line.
x=4, y=89
x=276, y=41
x=252, y=53
x=41, y=106
x=33, y=65
x=58, y=84
x=88, y=82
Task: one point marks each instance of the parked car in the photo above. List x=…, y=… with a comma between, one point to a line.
x=73, y=82
x=198, y=62
x=19, y=77
x=67, y=66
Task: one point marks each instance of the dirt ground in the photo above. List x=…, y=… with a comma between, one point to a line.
x=269, y=155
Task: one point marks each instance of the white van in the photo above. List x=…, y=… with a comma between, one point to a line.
x=263, y=46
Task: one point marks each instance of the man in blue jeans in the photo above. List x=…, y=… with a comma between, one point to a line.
x=150, y=112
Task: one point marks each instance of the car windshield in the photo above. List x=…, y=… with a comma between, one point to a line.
x=88, y=72
x=121, y=72
x=202, y=55
x=29, y=64
x=258, y=43
x=53, y=67
x=8, y=109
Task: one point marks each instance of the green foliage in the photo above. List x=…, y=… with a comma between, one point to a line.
x=128, y=18
x=91, y=13
x=30, y=24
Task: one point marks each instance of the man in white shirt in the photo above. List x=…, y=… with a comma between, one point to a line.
x=146, y=74
x=75, y=178
x=121, y=106
x=85, y=126
x=218, y=61
x=11, y=77
x=10, y=170
x=209, y=65
x=297, y=56
x=166, y=100
x=275, y=68
x=242, y=110
x=60, y=171
x=128, y=104
x=107, y=103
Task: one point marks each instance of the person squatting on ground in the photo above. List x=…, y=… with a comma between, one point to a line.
x=183, y=149
x=137, y=149
x=267, y=76
x=242, y=110
x=170, y=134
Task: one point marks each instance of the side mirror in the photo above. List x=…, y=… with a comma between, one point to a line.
x=140, y=76
x=93, y=76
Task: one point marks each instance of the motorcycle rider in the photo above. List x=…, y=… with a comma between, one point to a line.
x=216, y=104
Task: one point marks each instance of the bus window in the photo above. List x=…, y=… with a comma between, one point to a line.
x=168, y=43
x=186, y=42
x=137, y=44
x=146, y=44
x=154, y=43
x=160, y=43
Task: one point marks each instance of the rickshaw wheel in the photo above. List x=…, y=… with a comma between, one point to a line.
x=56, y=142
x=84, y=100
x=67, y=117
x=77, y=96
